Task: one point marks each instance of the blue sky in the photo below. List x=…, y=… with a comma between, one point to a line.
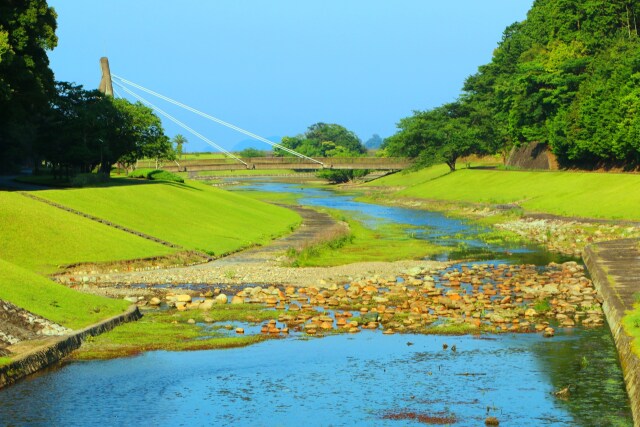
x=276, y=67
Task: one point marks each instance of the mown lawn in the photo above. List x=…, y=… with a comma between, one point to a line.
x=591, y=195
x=40, y=237
x=192, y=215
x=52, y=301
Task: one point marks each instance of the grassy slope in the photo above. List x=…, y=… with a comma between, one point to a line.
x=594, y=195
x=53, y=301
x=40, y=237
x=193, y=215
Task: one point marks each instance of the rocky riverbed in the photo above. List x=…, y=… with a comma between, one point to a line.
x=464, y=298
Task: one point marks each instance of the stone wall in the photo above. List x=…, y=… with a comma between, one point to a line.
x=607, y=263
x=53, y=349
x=534, y=155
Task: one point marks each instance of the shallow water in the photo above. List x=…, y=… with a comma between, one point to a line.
x=346, y=380
x=460, y=236
x=338, y=380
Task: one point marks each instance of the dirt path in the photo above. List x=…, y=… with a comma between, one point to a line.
x=261, y=265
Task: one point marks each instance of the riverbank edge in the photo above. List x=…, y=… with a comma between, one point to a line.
x=614, y=309
x=54, y=349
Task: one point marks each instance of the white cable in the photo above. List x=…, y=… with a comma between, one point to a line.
x=215, y=119
x=179, y=123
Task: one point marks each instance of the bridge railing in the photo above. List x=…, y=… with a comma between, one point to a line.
x=388, y=163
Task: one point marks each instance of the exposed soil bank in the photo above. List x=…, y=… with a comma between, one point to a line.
x=615, y=269
x=38, y=354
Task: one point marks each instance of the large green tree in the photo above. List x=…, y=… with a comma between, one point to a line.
x=327, y=140
x=565, y=77
x=27, y=31
x=440, y=135
x=85, y=130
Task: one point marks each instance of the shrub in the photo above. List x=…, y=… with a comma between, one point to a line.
x=155, y=175
x=88, y=179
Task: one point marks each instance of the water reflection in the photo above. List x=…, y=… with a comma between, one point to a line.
x=340, y=380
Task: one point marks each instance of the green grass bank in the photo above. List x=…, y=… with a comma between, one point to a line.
x=192, y=215
x=37, y=238
x=580, y=194
x=52, y=301
x=41, y=238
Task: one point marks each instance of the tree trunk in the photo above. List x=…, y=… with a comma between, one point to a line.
x=452, y=165
x=105, y=168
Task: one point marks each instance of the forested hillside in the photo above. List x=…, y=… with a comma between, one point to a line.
x=567, y=76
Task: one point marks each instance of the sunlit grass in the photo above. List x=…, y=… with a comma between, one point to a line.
x=40, y=237
x=53, y=301
x=596, y=195
x=192, y=215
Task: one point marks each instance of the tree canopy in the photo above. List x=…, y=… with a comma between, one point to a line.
x=27, y=31
x=70, y=128
x=86, y=129
x=566, y=76
x=440, y=135
x=327, y=140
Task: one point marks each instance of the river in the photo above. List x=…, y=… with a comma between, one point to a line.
x=346, y=380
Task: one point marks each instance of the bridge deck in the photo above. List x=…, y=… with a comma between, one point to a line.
x=371, y=163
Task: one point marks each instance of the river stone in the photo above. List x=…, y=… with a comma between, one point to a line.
x=206, y=305
x=237, y=300
x=154, y=301
x=220, y=299
x=131, y=299
x=183, y=298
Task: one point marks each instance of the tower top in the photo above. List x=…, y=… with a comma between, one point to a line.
x=106, y=86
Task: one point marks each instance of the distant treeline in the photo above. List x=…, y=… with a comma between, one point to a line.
x=567, y=76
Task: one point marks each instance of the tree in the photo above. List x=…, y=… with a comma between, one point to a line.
x=321, y=139
x=442, y=134
x=27, y=31
x=563, y=77
x=84, y=130
x=179, y=140
x=80, y=131
x=250, y=152
x=142, y=133
x=327, y=140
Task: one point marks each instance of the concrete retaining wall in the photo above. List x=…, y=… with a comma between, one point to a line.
x=603, y=264
x=54, y=349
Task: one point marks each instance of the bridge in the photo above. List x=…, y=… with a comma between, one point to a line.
x=295, y=163
x=293, y=159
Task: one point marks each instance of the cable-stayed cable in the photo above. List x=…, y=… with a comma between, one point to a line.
x=179, y=123
x=217, y=120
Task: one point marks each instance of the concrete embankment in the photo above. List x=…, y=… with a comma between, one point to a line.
x=36, y=355
x=615, y=271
